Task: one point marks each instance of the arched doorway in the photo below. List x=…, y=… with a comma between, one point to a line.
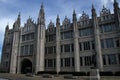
x=26, y=66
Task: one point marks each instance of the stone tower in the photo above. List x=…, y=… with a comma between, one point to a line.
x=40, y=41
x=76, y=45
x=15, y=45
x=117, y=13
x=97, y=40
x=58, y=44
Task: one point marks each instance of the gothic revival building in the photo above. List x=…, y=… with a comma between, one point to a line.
x=66, y=47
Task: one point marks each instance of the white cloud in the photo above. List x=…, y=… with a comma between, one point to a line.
x=78, y=15
x=112, y=1
x=104, y=2
x=4, y=22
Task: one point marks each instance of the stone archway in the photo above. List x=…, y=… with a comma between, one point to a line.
x=26, y=66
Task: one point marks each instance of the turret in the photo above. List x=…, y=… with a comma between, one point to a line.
x=93, y=11
x=57, y=20
x=7, y=27
x=17, y=23
x=57, y=44
x=98, y=52
x=117, y=13
x=40, y=41
x=116, y=6
x=74, y=16
x=41, y=16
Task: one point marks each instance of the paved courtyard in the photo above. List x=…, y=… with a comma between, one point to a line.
x=61, y=77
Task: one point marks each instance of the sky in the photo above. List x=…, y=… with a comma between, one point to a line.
x=9, y=10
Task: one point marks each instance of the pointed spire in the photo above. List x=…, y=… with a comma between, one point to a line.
x=93, y=6
x=41, y=16
x=18, y=19
x=19, y=15
x=115, y=1
x=57, y=19
x=83, y=12
x=7, y=26
x=103, y=6
x=74, y=12
x=42, y=6
x=116, y=4
x=74, y=16
x=57, y=16
x=93, y=11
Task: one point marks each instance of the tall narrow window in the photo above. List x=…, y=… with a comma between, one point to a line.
x=86, y=45
x=104, y=59
x=117, y=43
x=72, y=47
x=81, y=61
x=112, y=59
x=73, y=63
x=109, y=43
x=102, y=43
x=67, y=48
x=31, y=49
x=119, y=58
x=80, y=46
x=93, y=44
x=61, y=47
x=61, y=61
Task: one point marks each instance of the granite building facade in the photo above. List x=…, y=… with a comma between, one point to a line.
x=68, y=46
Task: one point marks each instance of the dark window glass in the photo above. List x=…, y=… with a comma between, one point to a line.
x=32, y=35
x=109, y=43
x=86, y=45
x=81, y=61
x=117, y=43
x=119, y=58
x=54, y=62
x=45, y=62
x=72, y=47
x=31, y=49
x=61, y=48
x=102, y=43
x=112, y=59
x=50, y=62
x=61, y=62
x=67, y=48
x=67, y=62
x=80, y=46
x=104, y=59
x=86, y=32
x=73, y=63
x=93, y=44
x=23, y=37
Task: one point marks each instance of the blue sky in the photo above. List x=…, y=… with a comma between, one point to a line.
x=9, y=10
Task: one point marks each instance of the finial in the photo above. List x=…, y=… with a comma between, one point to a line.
x=74, y=11
x=103, y=6
x=65, y=16
x=83, y=12
x=19, y=15
x=57, y=15
x=7, y=26
x=42, y=5
x=92, y=6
